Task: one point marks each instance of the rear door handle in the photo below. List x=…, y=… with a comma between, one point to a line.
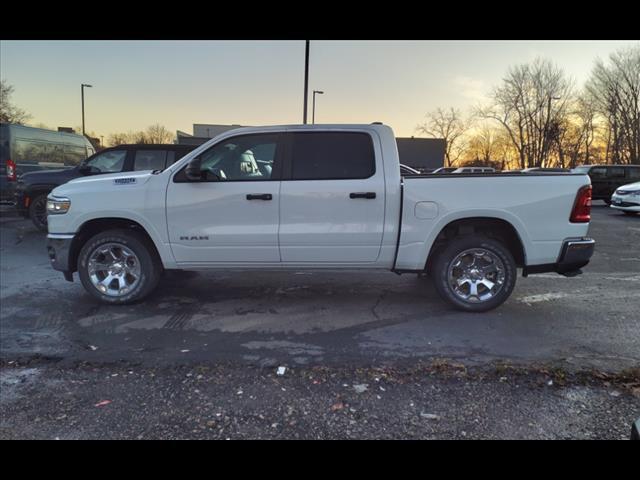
x=362, y=195
x=259, y=196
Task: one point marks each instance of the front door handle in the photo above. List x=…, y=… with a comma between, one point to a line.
x=259, y=196
x=362, y=195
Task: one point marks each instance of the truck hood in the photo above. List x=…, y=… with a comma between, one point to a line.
x=49, y=177
x=108, y=181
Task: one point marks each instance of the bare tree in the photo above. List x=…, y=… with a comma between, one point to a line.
x=531, y=105
x=615, y=87
x=139, y=137
x=158, y=134
x=574, y=136
x=449, y=125
x=116, y=139
x=153, y=134
x=488, y=146
x=9, y=113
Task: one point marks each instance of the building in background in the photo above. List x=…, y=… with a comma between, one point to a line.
x=203, y=132
x=424, y=154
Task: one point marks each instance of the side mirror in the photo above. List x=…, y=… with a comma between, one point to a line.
x=193, y=171
x=84, y=169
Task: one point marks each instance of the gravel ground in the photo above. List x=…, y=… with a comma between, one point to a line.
x=444, y=400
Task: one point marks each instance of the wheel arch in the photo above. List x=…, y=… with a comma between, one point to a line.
x=34, y=191
x=94, y=226
x=492, y=227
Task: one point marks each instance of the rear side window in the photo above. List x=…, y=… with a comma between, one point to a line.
x=598, y=172
x=29, y=152
x=4, y=152
x=616, y=172
x=332, y=155
x=150, y=160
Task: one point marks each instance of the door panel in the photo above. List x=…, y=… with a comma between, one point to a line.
x=231, y=215
x=215, y=222
x=321, y=223
x=334, y=218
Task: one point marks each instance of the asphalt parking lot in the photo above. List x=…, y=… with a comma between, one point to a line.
x=310, y=321
x=307, y=318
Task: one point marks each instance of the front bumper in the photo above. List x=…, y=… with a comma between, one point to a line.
x=575, y=254
x=626, y=203
x=59, y=248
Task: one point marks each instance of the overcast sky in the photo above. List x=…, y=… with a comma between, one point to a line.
x=179, y=83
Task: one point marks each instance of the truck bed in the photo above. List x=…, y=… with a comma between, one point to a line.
x=537, y=205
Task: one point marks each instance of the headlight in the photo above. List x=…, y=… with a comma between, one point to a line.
x=58, y=205
x=633, y=192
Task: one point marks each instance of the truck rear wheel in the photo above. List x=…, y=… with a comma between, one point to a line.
x=119, y=266
x=475, y=273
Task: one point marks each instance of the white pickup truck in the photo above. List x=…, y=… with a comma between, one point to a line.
x=317, y=197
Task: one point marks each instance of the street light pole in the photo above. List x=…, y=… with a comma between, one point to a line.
x=82, y=96
x=313, y=111
x=306, y=80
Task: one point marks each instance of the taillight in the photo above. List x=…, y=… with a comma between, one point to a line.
x=581, y=212
x=11, y=171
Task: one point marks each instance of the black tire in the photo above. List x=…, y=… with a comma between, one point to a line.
x=150, y=265
x=631, y=214
x=38, y=212
x=447, y=255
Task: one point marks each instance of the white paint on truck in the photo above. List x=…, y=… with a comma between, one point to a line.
x=276, y=220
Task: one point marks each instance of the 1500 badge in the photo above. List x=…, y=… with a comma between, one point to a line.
x=124, y=181
x=195, y=237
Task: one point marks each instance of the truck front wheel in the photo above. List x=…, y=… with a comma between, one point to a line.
x=475, y=273
x=38, y=212
x=119, y=266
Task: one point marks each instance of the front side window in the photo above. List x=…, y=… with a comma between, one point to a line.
x=331, y=155
x=108, y=162
x=598, y=172
x=633, y=172
x=242, y=158
x=150, y=160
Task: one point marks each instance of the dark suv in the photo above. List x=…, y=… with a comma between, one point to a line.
x=605, y=179
x=32, y=188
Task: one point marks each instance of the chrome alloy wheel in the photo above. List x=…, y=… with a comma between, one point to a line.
x=114, y=269
x=476, y=275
